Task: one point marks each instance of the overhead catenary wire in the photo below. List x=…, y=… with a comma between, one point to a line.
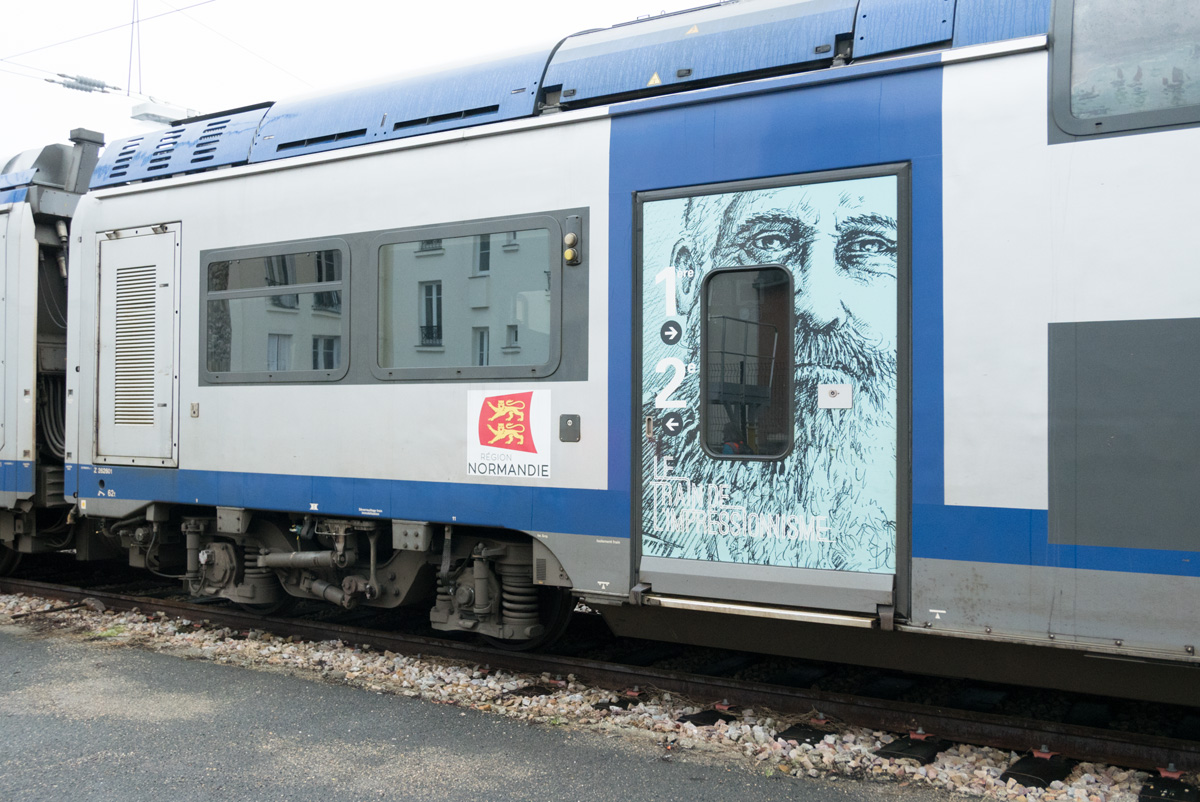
x=57, y=75
x=106, y=30
x=238, y=44
x=135, y=34
x=135, y=51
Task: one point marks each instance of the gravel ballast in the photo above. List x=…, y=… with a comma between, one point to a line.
x=552, y=700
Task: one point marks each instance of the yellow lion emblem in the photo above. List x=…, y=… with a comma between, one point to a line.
x=507, y=409
x=510, y=433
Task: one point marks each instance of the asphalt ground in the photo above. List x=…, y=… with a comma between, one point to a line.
x=86, y=720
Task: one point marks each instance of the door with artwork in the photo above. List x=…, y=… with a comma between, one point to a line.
x=771, y=390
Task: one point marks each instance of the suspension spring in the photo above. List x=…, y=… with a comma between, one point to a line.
x=445, y=591
x=519, y=604
x=250, y=563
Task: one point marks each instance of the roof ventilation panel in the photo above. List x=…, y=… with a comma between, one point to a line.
x=707, y=46
x=192, y=145
x=889, y=26
x=402, y=107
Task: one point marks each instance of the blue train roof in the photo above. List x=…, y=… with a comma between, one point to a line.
x=215, y=141
x=14, y=186
x=711, y=45
x=52, y=178
x=497, y=91
x=698, y=47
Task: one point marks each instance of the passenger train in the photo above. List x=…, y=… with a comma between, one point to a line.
x=864, y=329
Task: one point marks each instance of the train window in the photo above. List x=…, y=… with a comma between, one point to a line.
x=1124, y=66
x=747, y=358
x=438, y=307
x=262, y=310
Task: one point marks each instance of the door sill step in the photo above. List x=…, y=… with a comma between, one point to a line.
x=757, y=611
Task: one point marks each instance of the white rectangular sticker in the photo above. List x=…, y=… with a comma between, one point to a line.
x=834, y=396
x=509, y=435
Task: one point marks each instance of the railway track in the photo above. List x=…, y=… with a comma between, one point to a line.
x=1094, y=744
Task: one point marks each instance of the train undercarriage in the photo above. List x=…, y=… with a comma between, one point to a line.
x=475, y=580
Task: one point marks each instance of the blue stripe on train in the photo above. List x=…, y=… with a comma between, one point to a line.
x=540, y=509
x=16, y=476
x=1021, y=537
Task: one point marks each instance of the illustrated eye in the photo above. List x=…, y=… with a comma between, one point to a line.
x=771, y=241
x=870, y=246
x=867, y=253
x=773, y=237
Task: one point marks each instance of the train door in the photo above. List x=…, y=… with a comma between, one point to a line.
x=138, y=322
x=770, y=390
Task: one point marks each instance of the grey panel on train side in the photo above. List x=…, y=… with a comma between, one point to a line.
x=1124, y=434
x=596, y=566
x=1075, y=605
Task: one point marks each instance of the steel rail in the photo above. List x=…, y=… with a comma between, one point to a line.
x=1119, y=748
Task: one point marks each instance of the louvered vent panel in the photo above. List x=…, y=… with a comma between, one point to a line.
x=160, y=158
x=206, y=145
x=121, y=166
x=133, y=389
x=189, y=147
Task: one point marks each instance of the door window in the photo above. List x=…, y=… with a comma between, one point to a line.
x=747, y=406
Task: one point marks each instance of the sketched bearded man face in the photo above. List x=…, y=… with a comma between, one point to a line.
x=842, y=256
x=838, y=240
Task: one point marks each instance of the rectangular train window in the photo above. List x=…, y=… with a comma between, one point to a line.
x=438, y=306
x=1120, y=66
x=747, y=358
x=264, y=308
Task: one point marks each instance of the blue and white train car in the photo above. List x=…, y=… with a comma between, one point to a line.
x=840, y=315
x=39, y=190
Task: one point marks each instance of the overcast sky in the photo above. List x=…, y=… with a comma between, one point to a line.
x=219, y=54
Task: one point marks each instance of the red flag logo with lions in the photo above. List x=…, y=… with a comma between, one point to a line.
x=504, y=422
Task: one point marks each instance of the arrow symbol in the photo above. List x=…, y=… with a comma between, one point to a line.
x=672, y=424
x=670, y=332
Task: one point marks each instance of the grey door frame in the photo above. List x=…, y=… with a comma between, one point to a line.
x=802, y=587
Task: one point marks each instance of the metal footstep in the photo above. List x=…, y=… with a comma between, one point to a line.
x=803, y=734
x=918, y=746
x=1039, y=769
x=706, y=718
x=1160, y=788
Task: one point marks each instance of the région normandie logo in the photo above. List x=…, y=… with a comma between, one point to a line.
x=504, y=422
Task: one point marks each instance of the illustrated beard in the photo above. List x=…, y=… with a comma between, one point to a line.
x=842, y=468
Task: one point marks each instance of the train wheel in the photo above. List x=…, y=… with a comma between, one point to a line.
x=555, y=606
x=9, y=560
x=281, y=606
x=267, y=533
